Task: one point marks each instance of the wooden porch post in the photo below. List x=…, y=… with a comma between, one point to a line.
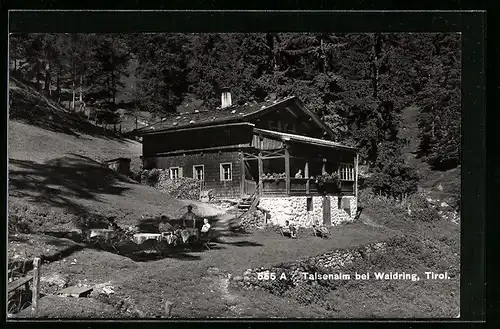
x=306, y=175
x=261, y=168
x=287, y=169
x=356, y=163
x=323, y=167
x=242, y=183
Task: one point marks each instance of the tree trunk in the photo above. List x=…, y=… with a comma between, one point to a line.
x=323, y=56
x=38, y=76
x=376, y=61
x=375, y=64
x=58, y=85
x=73, y=90
x=81, y=87
x=47, y=80
x=113, y=82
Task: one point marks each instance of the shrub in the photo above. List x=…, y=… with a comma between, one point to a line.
x=150, y=177
x=18, y=225
x=427, y=214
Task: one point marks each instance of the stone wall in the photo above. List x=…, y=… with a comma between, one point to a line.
x=340, y=215
x=294, y=209
x=334, y=261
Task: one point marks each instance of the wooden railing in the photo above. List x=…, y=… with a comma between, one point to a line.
x=274, y=186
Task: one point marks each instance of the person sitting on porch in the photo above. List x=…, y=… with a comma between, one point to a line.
x=289, y=229
x=205, y=228
x=298, y=174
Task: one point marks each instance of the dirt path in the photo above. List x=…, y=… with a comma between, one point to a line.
x=204, y=209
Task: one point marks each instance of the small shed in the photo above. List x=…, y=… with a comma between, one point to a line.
x=120, y=165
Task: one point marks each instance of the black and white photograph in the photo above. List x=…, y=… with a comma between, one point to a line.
x=234, y=175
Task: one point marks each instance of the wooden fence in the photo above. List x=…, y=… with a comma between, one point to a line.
x=25, y=281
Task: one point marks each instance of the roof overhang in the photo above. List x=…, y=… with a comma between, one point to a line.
x=315, y=118
x=199, y=127
x=286, y=137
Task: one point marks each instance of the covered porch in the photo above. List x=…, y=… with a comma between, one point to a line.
x=283, y=164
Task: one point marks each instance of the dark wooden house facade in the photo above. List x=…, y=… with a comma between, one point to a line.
x=274, y=149
x=260, y=147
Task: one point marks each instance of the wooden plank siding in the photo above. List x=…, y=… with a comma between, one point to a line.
x=196, y=139
x=212, y=162
x=211, y=146
x=267, y=143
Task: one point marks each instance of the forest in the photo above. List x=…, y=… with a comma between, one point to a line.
x=359, y=84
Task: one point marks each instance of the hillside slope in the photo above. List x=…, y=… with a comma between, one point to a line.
x=443, y=186
x=56, y=177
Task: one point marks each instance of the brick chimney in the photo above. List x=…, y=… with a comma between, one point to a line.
x=225, y=98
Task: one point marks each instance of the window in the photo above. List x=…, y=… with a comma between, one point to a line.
x=199, y=172
x=226, y=171
x=346, y=172
x=309, y=203
x=175, y=172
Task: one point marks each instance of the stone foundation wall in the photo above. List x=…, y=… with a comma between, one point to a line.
x=294, y=209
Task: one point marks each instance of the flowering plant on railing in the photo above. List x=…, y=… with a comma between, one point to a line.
x=327, y=178
x=275, y=176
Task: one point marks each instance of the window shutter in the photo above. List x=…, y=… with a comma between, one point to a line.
x=180, y=172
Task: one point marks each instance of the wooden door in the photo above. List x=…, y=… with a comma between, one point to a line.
x=327, y=211
x=251, y=177
x=250, y=187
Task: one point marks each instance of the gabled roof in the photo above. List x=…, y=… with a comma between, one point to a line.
x=235, y=113
x=209, y=117
x=304, y=139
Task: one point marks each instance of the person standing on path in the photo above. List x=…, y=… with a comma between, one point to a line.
x=188, y=217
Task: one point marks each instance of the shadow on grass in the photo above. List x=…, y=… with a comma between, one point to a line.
x=27, y=265
x=31, y=107
x=54, y=182
x=242, y=243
